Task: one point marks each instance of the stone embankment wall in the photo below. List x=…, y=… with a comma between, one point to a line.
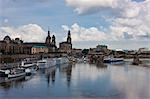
x=15, y=58
x=20, y=57
x=131, y=56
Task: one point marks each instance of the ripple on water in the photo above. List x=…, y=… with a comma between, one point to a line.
x=117, y=81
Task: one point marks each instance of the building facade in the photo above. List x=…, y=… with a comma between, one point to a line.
x=67, y=45
x=39, y=49
x=143, y=50
x=102, y=49
x=77, y=52
x=17, y=46
x=8, y=46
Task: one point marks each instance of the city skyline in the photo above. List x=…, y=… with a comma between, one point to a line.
x=120, y=24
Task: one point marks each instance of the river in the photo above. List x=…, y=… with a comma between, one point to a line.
x=82, y=80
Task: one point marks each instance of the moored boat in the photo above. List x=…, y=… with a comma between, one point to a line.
x=16, y=73
x=29, y=67
x=27, y=64
x=112, y=60
x=4, y=72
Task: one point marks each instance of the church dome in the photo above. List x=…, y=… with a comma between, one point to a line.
x=7, y=39
x=53, y=36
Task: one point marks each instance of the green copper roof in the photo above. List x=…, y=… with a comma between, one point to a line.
x=38, y=46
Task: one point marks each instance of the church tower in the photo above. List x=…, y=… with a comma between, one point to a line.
x=53, y=40
x=48, y=38
x=69, y=37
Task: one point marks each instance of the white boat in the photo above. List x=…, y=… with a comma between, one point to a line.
x=27, y=64
x=112, y=60
x=30, y=70
x=16, y=73
x=4, y=72
x=29, y=67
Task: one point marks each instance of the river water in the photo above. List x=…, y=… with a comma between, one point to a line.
x=82, y=80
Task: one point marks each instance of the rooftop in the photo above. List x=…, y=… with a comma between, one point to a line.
x=38, y=46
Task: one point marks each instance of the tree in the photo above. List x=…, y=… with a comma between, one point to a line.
x=85, y=52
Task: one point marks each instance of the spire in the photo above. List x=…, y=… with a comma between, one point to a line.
x=69, y=33
x=48, y=38
x=53, y=40
x=69, y=37
x=48, y=32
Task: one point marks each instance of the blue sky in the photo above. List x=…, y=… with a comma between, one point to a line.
x=121, y=24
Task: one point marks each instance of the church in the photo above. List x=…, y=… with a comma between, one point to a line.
x=67, y=45
x=35, y=47
x=17, y=46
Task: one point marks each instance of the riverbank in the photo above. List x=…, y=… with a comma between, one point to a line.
x=19, y=57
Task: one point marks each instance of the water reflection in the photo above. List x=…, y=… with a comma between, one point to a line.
x=67, y=70
x=101, y=66
x=68, y=74
x=83, y=80
x=50, y=75
x=14, y=82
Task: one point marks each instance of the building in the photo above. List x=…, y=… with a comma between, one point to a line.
x=9, y=46
x=143, y=50
x=48, y=38
x=39, y=49
x=51, y=43
x=99, y=49
x=77, y=52
x=67, y=45
x=13, y=50
x=17, y=46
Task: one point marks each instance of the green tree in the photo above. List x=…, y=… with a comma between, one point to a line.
x=85, y=52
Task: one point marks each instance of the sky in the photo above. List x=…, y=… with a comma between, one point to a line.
x=120, y=24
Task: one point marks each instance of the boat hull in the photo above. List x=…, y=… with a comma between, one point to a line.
x=16, y=75
x=2, y=74
x=113, y=60
x=30, y=71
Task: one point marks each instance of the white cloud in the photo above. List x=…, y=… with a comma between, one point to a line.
x=80, y=33
x=131, y=10
x=86, y=6
x=131, y=21
x=28, y=33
